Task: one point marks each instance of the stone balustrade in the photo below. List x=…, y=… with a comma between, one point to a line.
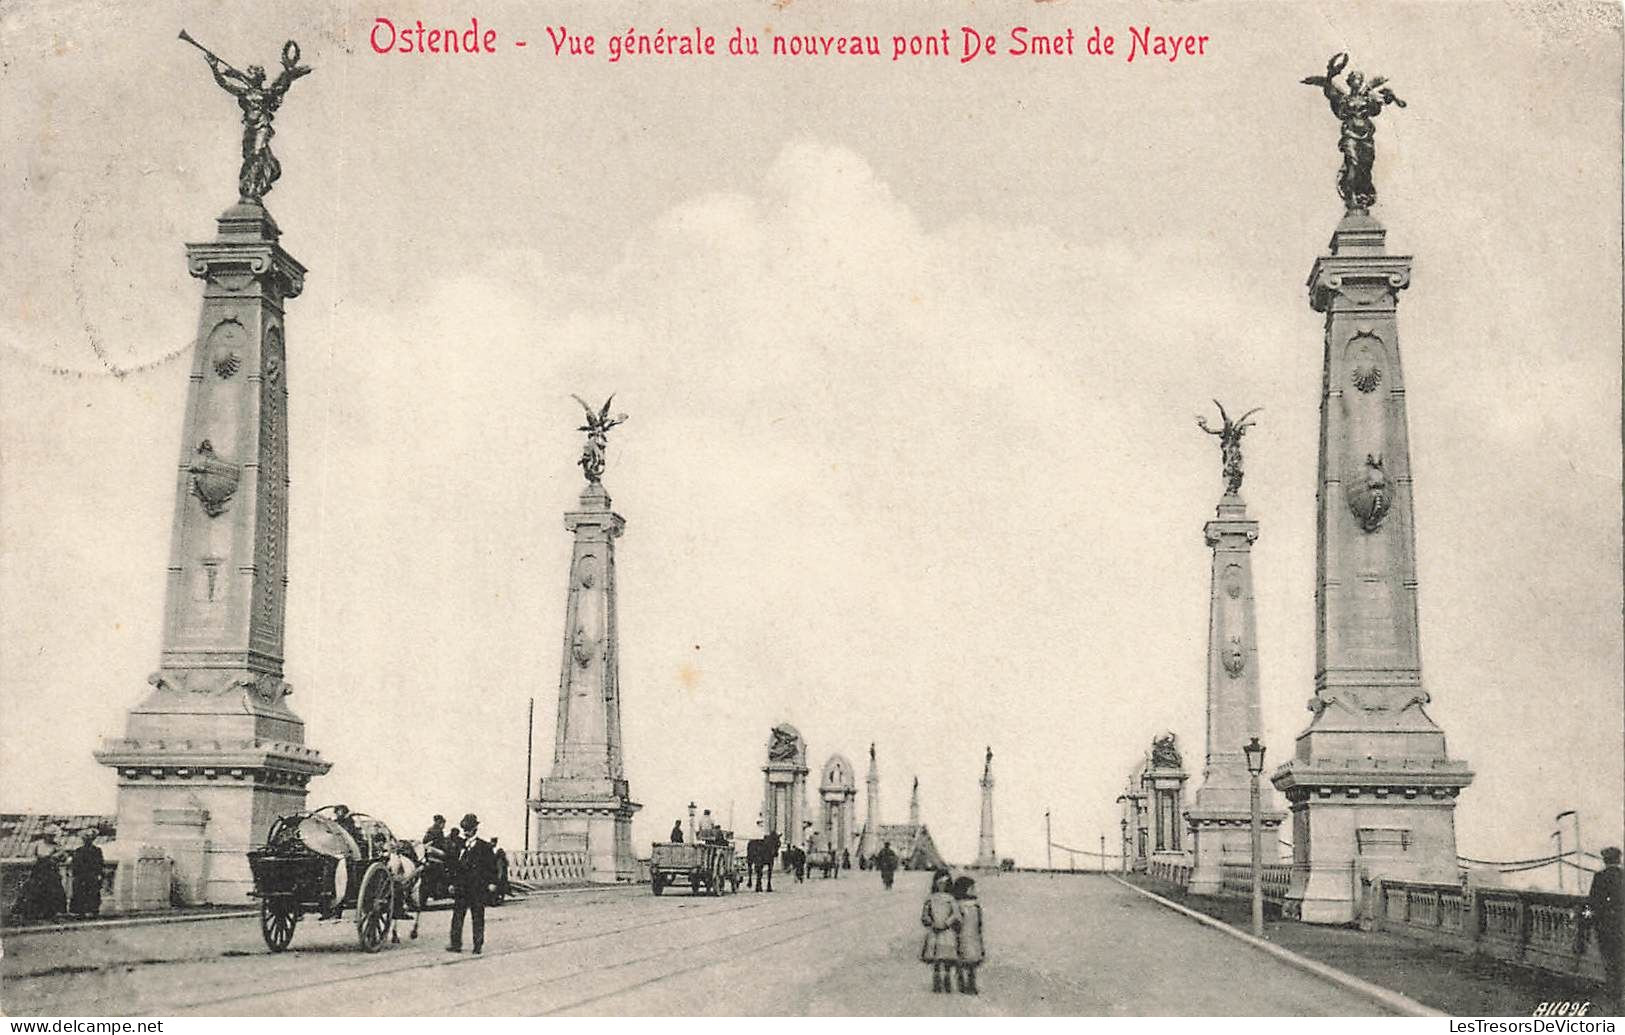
x=538, y=869
x=1534, y=928
x=1238, y=880
x=1171, y=871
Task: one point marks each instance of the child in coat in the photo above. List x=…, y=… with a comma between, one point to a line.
x=939, y=916
x=968, y=944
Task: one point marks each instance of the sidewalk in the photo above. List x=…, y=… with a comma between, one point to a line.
x=189, y=914
x=1453, y=982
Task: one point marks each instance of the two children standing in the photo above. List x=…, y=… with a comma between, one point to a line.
x=952, y=918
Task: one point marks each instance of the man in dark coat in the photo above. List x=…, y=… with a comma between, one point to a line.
x=677, y=832
x=474, y=877
x=87, y=878
x=1605, y=914
x=886, y=863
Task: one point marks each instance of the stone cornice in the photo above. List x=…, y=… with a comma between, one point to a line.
x=1363, y=281
x=235, y=264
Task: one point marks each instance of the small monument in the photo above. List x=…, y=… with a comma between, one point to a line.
x=1371, y=786
x=584, y=804
x=986, y=857
x=213, y=754
x=1164, y=781
x=784, y=784
x=1221, y=816
x=838, y=793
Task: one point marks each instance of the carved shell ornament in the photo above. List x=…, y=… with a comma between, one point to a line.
x=1369, y=496
x=1234, y=658
x=1367, y=376
x=227, y=363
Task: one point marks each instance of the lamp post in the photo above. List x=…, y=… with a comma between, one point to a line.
x=1579, y=851
x=1049, y=864
x=1124, y=824
x=691, y=822
x=1559, y=835
x=1255, y=767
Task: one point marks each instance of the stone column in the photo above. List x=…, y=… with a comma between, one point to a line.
x=871, y=824
x=585, y=802
x=986, y=857
x=1370, y=785
x=1221, y=816
x=213, y=755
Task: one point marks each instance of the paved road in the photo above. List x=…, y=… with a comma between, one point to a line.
x=1057, y=944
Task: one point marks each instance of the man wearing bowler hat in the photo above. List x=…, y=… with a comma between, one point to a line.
x=473, y=880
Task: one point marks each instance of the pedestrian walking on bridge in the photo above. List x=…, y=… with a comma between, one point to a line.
x=474, y=879
x=886, y=863
x=968, y=940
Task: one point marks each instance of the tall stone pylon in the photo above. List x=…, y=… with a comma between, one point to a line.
x=986, y=857
x=1220, y=816
x=213, y=754
x=585, y=804
x=870, y=842
x=1371, y=787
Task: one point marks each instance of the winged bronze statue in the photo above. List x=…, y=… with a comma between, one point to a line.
x=597, y=428
x=1230, y=444
x=1355, y=107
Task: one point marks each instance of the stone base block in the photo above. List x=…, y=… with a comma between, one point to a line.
x=1219, y=836
x=602, y=827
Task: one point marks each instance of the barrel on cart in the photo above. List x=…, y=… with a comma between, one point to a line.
x=324, y=862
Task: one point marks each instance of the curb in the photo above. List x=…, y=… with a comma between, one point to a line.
x=1403, y=1004
x=155, y=919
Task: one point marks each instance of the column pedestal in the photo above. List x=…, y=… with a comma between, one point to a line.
x=213, y=755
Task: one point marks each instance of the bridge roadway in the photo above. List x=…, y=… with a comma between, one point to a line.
x=1057, y=945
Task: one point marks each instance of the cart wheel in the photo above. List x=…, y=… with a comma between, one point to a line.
x=277, y=921
x=659, y=885
x=374, y=907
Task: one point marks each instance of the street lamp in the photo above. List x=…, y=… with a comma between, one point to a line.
x=691, y=822
x=1579, y=851
x=1255, y=767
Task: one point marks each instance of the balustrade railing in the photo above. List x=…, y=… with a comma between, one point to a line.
x=1534, y=928
x=538, y=869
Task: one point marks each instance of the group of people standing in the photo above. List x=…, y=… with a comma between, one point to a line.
x=952, y=918
x=42, y=895
x=469, y=865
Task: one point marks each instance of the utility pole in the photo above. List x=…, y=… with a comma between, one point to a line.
x=1103, y=853
x=1048, y=864
x=530, y=741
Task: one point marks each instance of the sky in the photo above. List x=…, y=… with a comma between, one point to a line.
x=911, y=352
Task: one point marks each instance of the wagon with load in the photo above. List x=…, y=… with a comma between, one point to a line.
x=703, y=866
x=325, y=862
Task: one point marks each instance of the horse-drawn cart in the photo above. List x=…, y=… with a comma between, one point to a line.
x=701, y=866
x=324, y=862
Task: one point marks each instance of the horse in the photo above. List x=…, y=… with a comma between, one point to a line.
x=406, y=874
x=760, y=855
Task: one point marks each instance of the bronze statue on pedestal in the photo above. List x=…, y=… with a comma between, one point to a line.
x=259, y=102
x=1230, y=444
x=1355, y=107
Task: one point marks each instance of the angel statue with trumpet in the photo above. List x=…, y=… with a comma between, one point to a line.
x=1230, y=444
x=597, y=428
x=1355, y=107
x=259, y=101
